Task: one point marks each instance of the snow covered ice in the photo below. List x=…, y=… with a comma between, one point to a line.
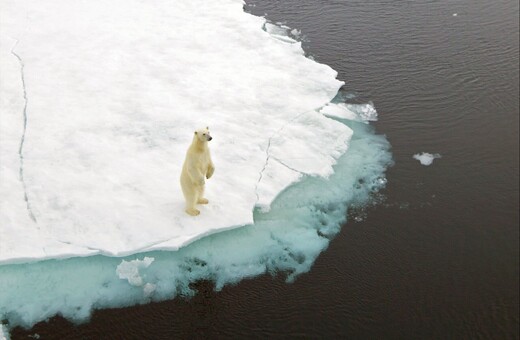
x=114, y=93
x=98, y=104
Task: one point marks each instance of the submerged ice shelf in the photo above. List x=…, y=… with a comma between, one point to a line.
x=298, y=227
x=106, y=110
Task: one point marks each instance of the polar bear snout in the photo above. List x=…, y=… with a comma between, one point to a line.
x=203, y=135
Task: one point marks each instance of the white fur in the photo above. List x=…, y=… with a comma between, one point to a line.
x=197, y=166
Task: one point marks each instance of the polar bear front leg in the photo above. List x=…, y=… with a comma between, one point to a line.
x=211, y=169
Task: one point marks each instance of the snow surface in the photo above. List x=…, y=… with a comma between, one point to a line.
x=426, y=158
x=99, y=104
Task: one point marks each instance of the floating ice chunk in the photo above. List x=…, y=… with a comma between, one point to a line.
x=279, y=32
x=284, y=38
x=454, y=14
x=426, y=158
x=275, y=29
x=338, y=111
x=357, y=112
x=282, y=32
x=295, y=32
x=129, y=270
x=366, y=112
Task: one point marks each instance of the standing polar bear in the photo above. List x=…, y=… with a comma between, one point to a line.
x=197, y=165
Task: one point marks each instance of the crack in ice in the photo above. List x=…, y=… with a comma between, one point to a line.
x=263, y=169
x=289, y=167
x=268, y=155
x=22, y=140
x=99, y=250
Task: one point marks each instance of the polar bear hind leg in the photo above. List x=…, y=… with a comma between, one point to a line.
x=200, y=198
x=190, y=206
x=191, y=199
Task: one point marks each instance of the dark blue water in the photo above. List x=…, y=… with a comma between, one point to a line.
x=438, y=256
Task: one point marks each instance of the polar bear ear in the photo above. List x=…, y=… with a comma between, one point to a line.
x=207, y=127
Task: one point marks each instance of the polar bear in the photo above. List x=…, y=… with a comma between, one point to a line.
x=197, y=165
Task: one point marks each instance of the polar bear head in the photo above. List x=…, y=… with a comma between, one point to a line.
x=203, y=134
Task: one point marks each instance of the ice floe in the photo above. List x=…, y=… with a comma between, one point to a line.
x=98, y=104
x=426, y=158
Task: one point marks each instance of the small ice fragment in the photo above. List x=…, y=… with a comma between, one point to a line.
x=366, y=112
x=382, y=181
x=275, y=29
x=296, y=32
x=129, y=270
x=148, y=289
x=4, y=334
x=426, y=158
x=356, y=112
x=454, y=14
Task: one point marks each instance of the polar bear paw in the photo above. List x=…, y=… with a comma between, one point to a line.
x=193, y=211
x=202, y=201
